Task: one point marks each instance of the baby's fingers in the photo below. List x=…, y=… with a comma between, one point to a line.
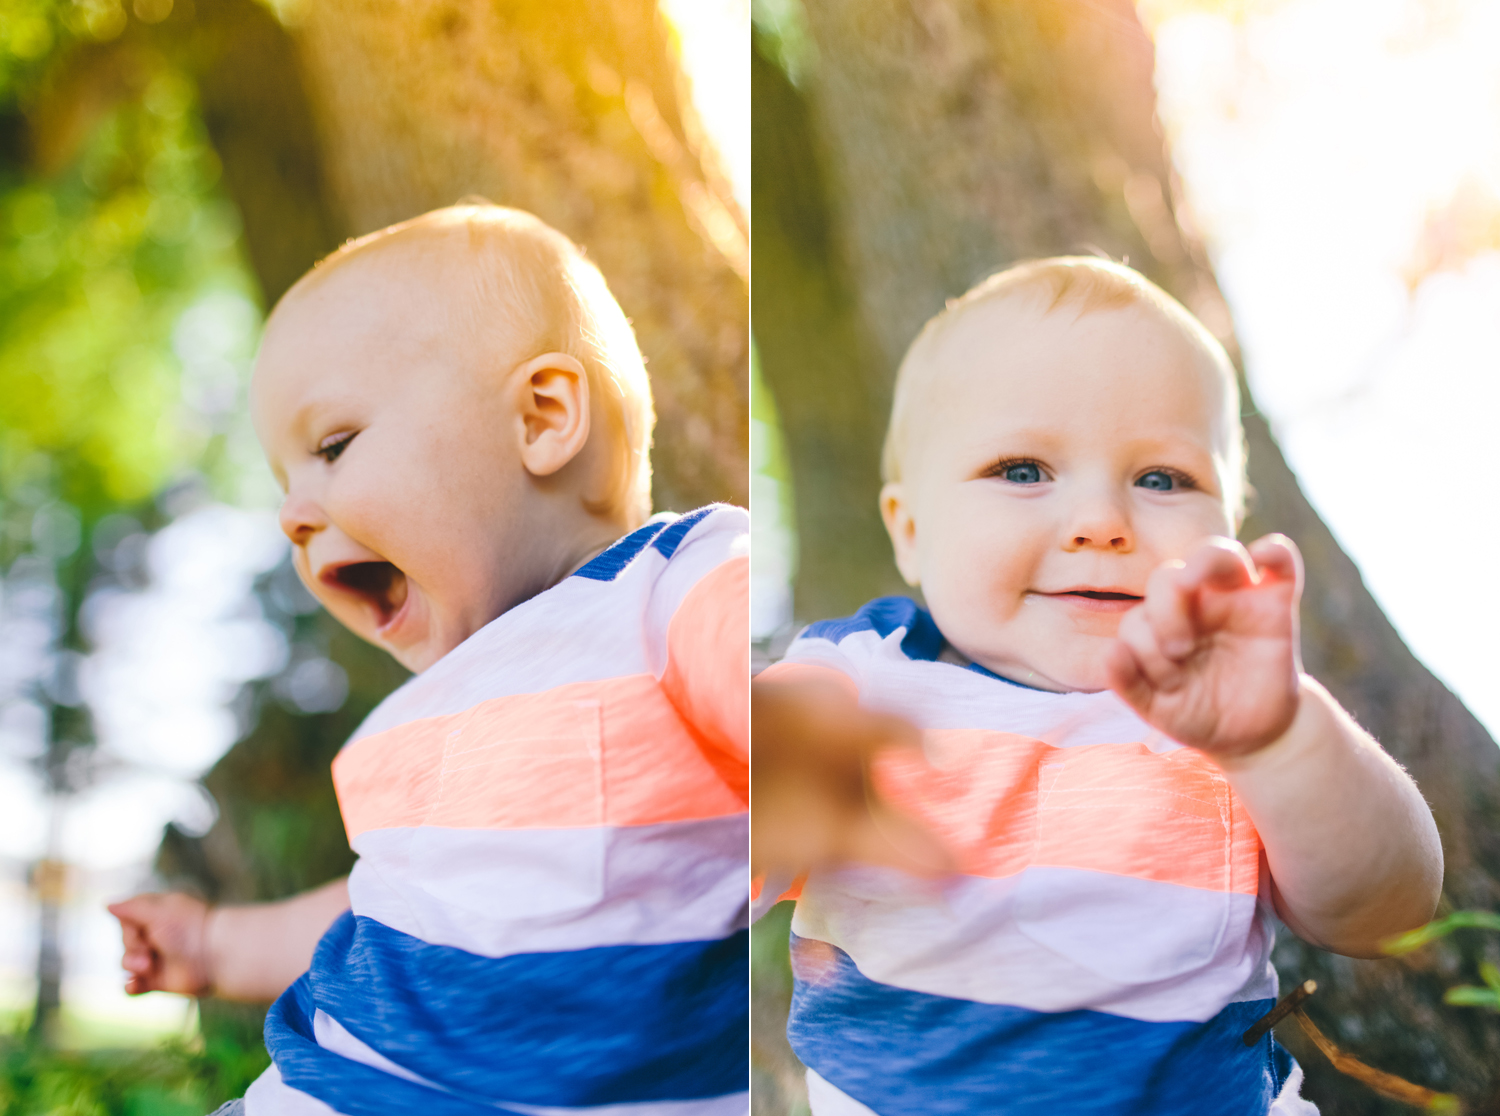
x=1278, y=556
x=1172, y=592
x=1150, y=668
x=1126, y=677
x=1166, y=615
x=1218, y=563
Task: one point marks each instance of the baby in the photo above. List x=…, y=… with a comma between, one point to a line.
x=548, y=911
x=1121, y=751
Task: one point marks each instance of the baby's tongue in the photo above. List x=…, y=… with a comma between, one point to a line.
x=395, y=592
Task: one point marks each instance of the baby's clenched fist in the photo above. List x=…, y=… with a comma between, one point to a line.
x=1211, y=656
x=166, y=943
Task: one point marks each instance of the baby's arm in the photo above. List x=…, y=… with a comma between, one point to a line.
x=811, y=799
x=177, y=943
x=1211, y=658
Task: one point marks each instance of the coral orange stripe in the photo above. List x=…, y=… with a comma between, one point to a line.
x=793, y=891
x=611, y=752
x=708, y=658
x=1004, y=803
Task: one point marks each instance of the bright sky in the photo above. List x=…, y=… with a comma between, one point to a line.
x=715, y=38
x=1343, y=159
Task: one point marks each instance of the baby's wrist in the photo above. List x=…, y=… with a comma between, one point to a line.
x=1303, y=730
x=211, y=945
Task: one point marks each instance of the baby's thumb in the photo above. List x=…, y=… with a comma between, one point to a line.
x=138, y=910
x=1126, y=677
x=892, y=838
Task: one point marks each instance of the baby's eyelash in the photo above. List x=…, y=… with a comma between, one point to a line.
x=332, y=446
x=998, y=468
x=1185, y=480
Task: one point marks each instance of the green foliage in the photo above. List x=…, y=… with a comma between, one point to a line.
x=1459, y=920
x=1463, y=995
x=1467, y=995
x=782, y=25
x=174, y=1079
x=97, y=264
x=32, y=32
x=127, y=317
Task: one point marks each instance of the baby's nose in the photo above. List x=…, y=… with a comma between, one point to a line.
x=301, y=518
x=1117, y=542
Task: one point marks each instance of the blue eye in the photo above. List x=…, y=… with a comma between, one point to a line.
x=1023, y=472
x=1158, y=481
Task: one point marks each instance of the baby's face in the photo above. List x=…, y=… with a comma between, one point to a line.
x=387, y=424
x=1056, y=462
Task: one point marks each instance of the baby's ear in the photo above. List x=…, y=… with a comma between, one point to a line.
x=551, y=396
x=901, y=525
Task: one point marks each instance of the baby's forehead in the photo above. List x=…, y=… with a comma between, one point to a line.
x=381, y=320
x=1016, y=362
x=1020, y=337
x=428, y=263
x=422, y=290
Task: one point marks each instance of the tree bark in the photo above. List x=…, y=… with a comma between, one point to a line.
x=816, y=355
x=957, y=136
x=258, y=116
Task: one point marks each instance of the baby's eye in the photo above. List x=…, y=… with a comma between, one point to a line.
x=1023, y=472
x=331, y=447
x=1159, y=480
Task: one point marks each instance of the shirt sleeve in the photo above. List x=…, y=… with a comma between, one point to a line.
x=707, y=675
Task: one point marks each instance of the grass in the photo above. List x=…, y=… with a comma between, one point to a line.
x=174, y=1078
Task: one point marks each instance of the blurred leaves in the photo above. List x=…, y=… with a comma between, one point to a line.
x=110, y=227
x=1463, y=995
x=1440, y=928
x=1467, y=995
x=174, y=1079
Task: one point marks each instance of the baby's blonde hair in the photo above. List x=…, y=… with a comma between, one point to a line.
x=530, y=278
x=1087, y=284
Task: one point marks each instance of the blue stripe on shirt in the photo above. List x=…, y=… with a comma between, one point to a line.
x=906, y=1053
x=606, y=566
x=883, y=616
x=608, y=1025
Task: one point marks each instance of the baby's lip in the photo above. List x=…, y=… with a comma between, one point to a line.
x=377, y=584
x=1096, y=599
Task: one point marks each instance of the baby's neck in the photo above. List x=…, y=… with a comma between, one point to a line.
x=951, y=654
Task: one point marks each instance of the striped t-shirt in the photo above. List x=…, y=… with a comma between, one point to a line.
x=1104, y=945
x=549, y=907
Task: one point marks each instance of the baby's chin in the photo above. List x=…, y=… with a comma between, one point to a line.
x=418, y=639
x=1081, y=673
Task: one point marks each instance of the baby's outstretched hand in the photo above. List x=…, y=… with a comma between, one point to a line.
x=812, y=800
x=1211, y=656
x=166, y=943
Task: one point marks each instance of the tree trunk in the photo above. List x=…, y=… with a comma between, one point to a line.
x=956, y=136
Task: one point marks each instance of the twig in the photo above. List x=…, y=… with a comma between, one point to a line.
x=1284, y=1007
x=1386, y=1084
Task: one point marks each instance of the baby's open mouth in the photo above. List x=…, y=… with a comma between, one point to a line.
x=380, y=584
x=1100, y=595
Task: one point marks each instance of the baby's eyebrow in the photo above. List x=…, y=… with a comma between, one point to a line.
x=308, y=416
